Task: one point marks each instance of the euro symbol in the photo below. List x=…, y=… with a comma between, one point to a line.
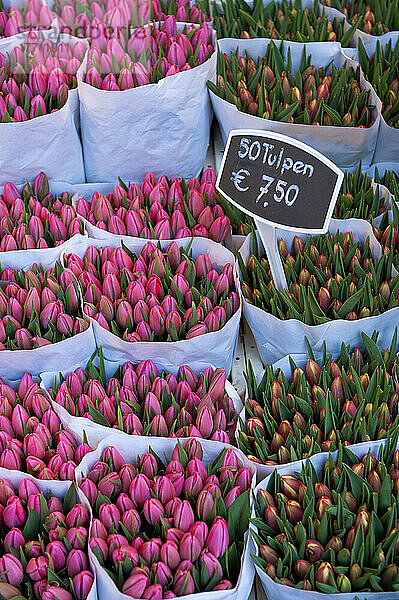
x=238, y=178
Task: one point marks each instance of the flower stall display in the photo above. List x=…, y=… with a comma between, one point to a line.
x=166, y=66
x=379, y=63
x=313, y=93
x=299, y=21
x=17, y=19
x=39, y=108
x=103, y=19
x=145, y=399
x=332, y=281
x=44, y=533
x=390, y=180
x=34, y=218
x=158, y=208
x=304, y=405
x=169, y=519
x=41, y=312
x=32, y=437
x=334, y=99
x=32, y=91
x=377, y=17
x=328, y=526
x=178, y=304
x=361, y=198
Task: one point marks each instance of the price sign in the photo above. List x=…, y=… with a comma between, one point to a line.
x=279, y=181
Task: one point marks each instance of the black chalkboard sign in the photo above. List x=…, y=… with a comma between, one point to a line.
x=279, y=180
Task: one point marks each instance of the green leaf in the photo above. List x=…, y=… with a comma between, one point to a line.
x=70, y=499
x=32, y=526
x=98, y=417
x=238, y=516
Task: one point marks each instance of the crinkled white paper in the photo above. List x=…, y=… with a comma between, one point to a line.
x=163, y=127
x=49, y=143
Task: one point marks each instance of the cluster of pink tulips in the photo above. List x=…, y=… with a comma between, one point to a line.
x=32, y=438
x=102, y=18
x=38, y=308
x=45, y=553
x=33, y=16
x=161, y=296
x=160, y=208
x=160, y=526
x=148, y=55
x=35, y=218
x=36, y=77
x=144, y=401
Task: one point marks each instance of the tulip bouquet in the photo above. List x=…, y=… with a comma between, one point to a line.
x=32, y=438
x=36, y=77
x=161, y=209
x=39, y=307
x=382, y=71
x=45, y=553
x=328, y=277
x=35, y=218
x=143, y=400
x=359, y=198
x=331, y=527
x=268, y=88
x=391, y=181
x=294, y=413
x=376, y=16
x=168, y=527
x=16, y=20
x=154, y=296
x=148, y=55
x=285, y=20
x=387, y=234
x=99, y=20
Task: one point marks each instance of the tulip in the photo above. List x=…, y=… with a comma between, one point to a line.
x=12, y=569
x=82, y=584
x=135, y=585
x=76, y=562
x=283, y=101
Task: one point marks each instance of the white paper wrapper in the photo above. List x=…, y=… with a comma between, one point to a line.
x=235, y=241
x=371, y=40
x=216, y=348
x=276, y=338
x=24, y=259
x=14, y=363
x=345, y=146
x=163, y=127
x=276, y=591
x=49, y=143
x=130, y=451
x=95, y=432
